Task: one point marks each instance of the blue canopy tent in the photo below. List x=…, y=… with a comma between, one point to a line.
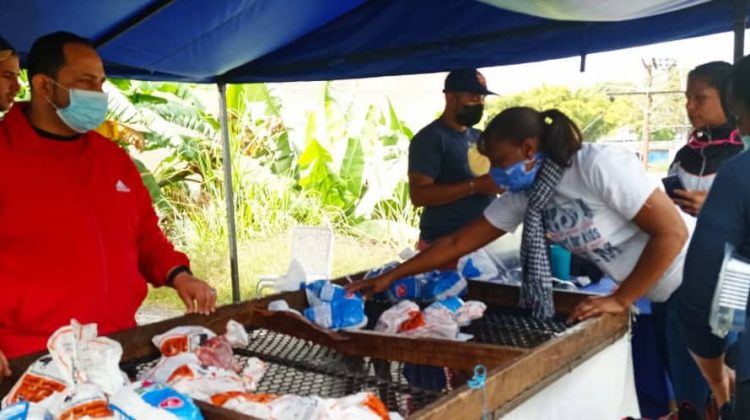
x=241, y=41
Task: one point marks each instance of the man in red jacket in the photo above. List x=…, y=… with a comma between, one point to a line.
x=79, y=237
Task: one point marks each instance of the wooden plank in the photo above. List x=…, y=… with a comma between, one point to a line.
x=212, y=412
x=509, y=386
x=507, y=295
x=425, y=351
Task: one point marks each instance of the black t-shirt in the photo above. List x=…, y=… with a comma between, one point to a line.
x=439, y=152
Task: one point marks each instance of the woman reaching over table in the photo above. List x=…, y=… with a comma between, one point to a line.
x=596, y=201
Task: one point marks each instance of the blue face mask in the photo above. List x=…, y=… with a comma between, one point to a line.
x=515, y=177
x=86, y=111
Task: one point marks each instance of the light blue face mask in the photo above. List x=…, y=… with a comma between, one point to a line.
x=86, y=111
x=516, y=177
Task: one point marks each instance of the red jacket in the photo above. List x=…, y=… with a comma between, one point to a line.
x=79, y=237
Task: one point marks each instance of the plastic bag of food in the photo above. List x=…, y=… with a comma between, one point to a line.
x=344, y=312
x=84, y=401
x=255, y=405
x=288, y=407
x=218, y=352
x=429, y=286
x=361, y=406
x=41, y=380
x=470, y=311
x=25, y=411
x=403, y=316
x=379, y=271
x=182, y=339
x=462, y=312
x=437, y=324
x=323, y=291
x=83, y=357
x=253, y=372
x=146, y=400
x=444, y=285
x=170, y=369
x=236, y=334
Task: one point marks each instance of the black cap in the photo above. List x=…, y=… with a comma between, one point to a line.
x=6, y=50
x=466, y=80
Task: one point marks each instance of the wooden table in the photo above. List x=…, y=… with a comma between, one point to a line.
x=514, y=374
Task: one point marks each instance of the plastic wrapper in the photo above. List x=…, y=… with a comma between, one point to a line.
x=149, y=401
x=236, y=334
x=364, y=405
x=323, y=291
x=25, y=411
x=83, y=357
x=437, y=324
x=84, y=401
x=379, y=271
x=442, y=319
x=186, y=374
x=42, y=379
x=499, y=261
x=445, y=285
x=331, y=306
x=402, y=316
x=182, y=340
x=470, y=311
x=218, y=352
x=429, y=286
x=255, y=405
x=253, y=373
x=281, y=305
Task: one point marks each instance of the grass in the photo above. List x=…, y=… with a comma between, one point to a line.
x=266, y=256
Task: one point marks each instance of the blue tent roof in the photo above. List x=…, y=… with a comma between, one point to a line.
x=292, y=40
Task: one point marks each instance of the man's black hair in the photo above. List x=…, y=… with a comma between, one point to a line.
x=47, y=55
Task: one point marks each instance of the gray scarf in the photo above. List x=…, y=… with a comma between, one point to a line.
x=536, y=289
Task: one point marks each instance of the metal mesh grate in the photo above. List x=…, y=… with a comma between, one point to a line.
x=303, y=368
x=501, y=325
x=515, y=327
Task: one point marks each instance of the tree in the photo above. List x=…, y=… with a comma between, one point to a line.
x=591, y=108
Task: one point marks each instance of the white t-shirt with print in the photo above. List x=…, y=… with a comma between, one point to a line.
x=591, y=214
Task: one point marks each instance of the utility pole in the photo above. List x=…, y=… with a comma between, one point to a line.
x=646, y=135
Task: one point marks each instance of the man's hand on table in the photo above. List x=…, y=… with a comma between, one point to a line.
x=199, y=297
x=4, y=367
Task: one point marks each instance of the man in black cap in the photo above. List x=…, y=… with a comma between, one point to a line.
x=452, y=190
x=9, y=71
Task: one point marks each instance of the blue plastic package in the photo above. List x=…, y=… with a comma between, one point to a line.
x=165, y=398
x=25, y=411
x=430, y=286
x=444, y=285
x=453, y=304
x=325, y=291
x=342, y=312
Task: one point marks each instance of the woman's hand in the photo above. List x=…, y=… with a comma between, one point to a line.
x=597, y=305
x=690, y=201
x=371, y=286
x=723, y=389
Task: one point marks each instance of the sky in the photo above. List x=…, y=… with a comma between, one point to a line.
x=418, y=98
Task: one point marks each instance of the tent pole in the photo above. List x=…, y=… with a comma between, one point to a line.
x=740, y=21
x=227, y=163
